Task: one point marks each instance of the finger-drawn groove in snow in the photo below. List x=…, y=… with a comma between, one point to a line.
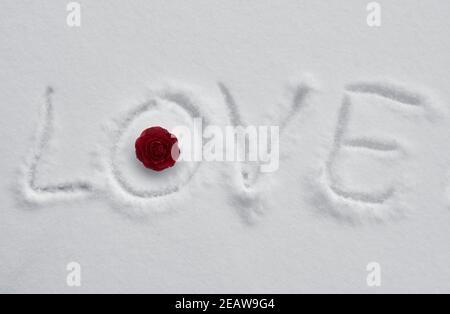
x=390, y=91
x=362, y=172
x=233, y=108
x=343, y=120
x=299, y=94
x=44, y=135
x=247, y=182
x=247, y=173
x=371, y=144
x=179, y=102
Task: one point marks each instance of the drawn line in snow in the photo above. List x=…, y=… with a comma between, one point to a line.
x=178, y=97
x=300, y=93
x=374, y=198
x=233, y=109
x=248, y=192
x=390, y=91
x=371, y=144
x=247, y=195
x=44, y=135
x=386, y=200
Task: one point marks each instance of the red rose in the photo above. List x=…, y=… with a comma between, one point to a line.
x=157, y=149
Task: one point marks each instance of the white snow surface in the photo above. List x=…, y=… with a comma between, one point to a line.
x=364, y=165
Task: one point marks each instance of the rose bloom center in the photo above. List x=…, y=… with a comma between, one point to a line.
x=156, y=150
